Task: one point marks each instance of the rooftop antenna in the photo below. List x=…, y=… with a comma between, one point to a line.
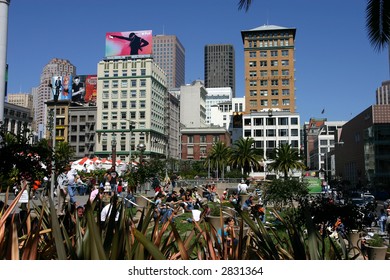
x=267, y=16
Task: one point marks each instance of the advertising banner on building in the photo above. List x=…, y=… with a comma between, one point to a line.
x=57, y=88
x=129, y=43
x=81, y=90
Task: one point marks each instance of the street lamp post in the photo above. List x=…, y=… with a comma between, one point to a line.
x=56, y=93
x=131, y=127
x=113, y=146
x=141, y=148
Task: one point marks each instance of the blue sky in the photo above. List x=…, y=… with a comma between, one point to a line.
x=336, y=68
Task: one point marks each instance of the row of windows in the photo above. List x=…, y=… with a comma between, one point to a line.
x=271, y=121
x=267, y=35
x=274, y=102
x=125, y=104
x=268, y=43
x=272, y=53
x=202, y=139
x=264, y=73
x=264, y=63
x=271, y=132
x=133, y=72
x=124, y=83
x=274, y=92
x=264, y=83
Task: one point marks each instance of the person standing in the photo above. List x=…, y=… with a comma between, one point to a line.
x=78, y=91
x=71, y=175
x=62, y=185
x=242, y=187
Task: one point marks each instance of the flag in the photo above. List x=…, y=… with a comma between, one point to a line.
x=323, y=111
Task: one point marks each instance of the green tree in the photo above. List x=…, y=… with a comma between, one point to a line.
x=218, y=156
x=63, y=155
x=285, y=192
x=378, y=23
x=19, y=159
x=285, y=159
x=244, y=155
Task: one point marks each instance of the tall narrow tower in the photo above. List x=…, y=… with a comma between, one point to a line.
x=269, y=68
x=4, y=4
x=169, y=54
x=219, y=67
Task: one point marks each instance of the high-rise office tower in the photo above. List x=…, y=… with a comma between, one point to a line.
x=169, y=54
x=219, y=67
x=269, y=68
x=55, y=67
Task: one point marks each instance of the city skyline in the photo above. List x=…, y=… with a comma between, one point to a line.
x=335, y=65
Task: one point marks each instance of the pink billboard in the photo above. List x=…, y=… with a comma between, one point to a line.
x=129, y=43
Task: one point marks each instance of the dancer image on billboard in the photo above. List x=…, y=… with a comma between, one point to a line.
x=78, y=91
x=136, y=43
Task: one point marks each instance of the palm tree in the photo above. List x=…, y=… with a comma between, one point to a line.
x=245, y=155
x=377, y=21
x=285, y=159
x=218, y=155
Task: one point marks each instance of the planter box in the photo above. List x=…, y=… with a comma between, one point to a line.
x=376, y=253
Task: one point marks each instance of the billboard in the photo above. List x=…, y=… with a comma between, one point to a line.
x=80, y=90
x=129, y=43
x=57, y=87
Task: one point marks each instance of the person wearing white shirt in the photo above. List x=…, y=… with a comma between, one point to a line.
x=242, y=187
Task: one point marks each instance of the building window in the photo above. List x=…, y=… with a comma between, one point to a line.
x=133, y=93
x=294, y=132
x=247, y=133
x=253, y=103
x=124, y=83
x=283, y=121
x=270, y=132
x=264, y=102
x=263, y=83
x=285, y=62
x=263, y=73
x=114, y=105
x=284, y=52
x=263, y=53
x=143, y=83
x=142, y=93
x=190, y=139
x=274, y=63
x=190, y=151
x=274, y=102
x=142, y=104
x=294, y=121
x=133, y=72
x=274, y=53
x=274, y=82
x=274, y=73
x=253, y=92
x=285, y=82
x=252, y=73
x=142, y=114
x=285, y=92
x=203, y=139
x=114, y=83
x=133, y=104
x=283, y=132
x=106, y=84
x=258, y=133
x=115, y=73
x=105, y=105
x=264, y=92
x=123, y=104
x=286, y=102
x=215, y=138
x=252, y=63
x=252, y=83
x=258, y=121
x=133, y=83
x=143, y=72
x=274, y=92
x=285, y=72
x=263, y=63
x=252, y=54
